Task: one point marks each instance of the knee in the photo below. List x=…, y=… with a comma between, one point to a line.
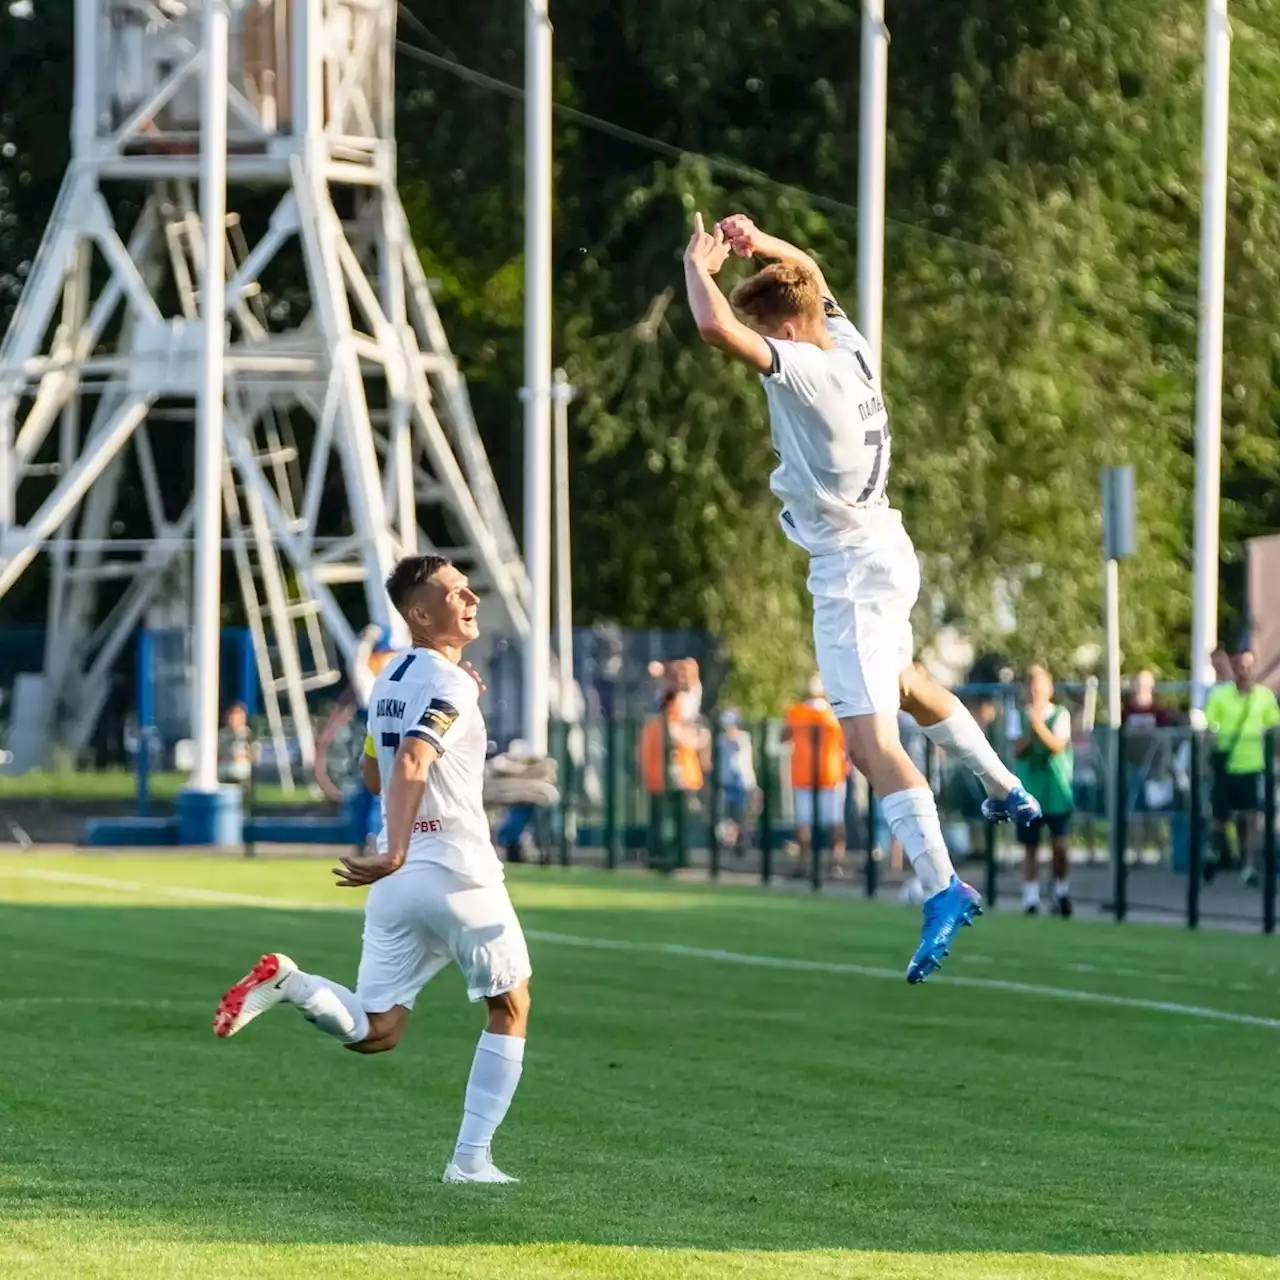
x=385, y=1032
x=908, y=689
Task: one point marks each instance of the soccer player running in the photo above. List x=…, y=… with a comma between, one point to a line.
x=831, y=436
x=436, y=885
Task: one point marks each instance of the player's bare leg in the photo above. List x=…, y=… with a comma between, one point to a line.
x=276, y=979
x=907, y=802
x=1061, y=846
x=946, y=722
x=1031, y=876
x=804, y=853
x=385, y=1031
x=495, y=1073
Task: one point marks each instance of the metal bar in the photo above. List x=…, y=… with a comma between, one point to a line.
x=1195, y=832
x=146, y=717
x=1113, y=641
x=1119, y=825
x=872, y=129
x=21, y=548
x=767, y=800
x=815, y=799
x=714, y=799
x=1213, y=256
x=872, y=868
x=612, y=759
x=561, y=394
x=537, y=367
x=1269, y=834
x=207, y=586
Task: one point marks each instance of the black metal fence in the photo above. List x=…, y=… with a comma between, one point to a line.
x=1155, y=831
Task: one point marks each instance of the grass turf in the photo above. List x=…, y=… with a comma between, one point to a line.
x=117, y=785
x=683, y=1113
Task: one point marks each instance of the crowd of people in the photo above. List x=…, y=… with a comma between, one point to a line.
x=1041, y=740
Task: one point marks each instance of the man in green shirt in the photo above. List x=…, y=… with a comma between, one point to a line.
x=1046, y=767
x=1239, y=714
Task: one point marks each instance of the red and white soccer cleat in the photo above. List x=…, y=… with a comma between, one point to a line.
x=255, y=993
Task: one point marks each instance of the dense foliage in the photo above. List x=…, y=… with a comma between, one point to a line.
x=1040, y=294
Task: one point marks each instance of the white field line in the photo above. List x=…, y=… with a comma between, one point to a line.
x=746, y=959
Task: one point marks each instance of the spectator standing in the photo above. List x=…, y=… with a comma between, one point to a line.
x=1239, y=714
x=737, y=769
x=670, y=766
x=1046, y=767
x=1148, y=760
x=817, y=763
x=236, y=748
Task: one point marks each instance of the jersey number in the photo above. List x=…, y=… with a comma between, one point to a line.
x=398, y=673
x=875, y=481
x=391, y=741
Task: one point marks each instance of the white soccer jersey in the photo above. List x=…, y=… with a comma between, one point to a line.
x=423, y=695
x=831, y=436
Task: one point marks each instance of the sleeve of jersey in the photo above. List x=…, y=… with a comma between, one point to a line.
x=369, y=748
x=1270, y=710
x=848, y=338
x=444, y=706
x=797, y=366
x=1213, y=711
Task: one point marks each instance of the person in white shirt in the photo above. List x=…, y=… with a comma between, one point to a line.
x=436, y=884
x=831, y=436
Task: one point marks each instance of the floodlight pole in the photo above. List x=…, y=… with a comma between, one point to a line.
x=1213, y=238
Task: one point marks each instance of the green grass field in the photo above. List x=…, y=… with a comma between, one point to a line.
x=720, y=1083
x=122, y=784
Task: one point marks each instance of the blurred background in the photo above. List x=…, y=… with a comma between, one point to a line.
x=1041, y=255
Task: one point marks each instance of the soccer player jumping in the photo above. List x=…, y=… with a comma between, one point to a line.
x=831, y=437
x=437, y=893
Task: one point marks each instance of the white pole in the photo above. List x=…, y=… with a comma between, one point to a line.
x=1113, y=643
x=873, y=114
x=562, y=393
x=209, y=447
x=1213, y=235
x=537, y=368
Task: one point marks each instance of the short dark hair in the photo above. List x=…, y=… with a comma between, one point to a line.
x=411, y=573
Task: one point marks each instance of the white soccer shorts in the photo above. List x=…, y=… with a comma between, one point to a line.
x=862, y=602
x=425, y=916
x=830, y=806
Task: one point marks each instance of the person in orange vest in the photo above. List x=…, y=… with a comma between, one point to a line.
x=670, y=764
x=818, y=763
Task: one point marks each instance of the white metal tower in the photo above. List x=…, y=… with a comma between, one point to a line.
x=348, y=434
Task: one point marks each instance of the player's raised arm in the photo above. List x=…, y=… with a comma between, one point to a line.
x=747, y=240
x=719, y=327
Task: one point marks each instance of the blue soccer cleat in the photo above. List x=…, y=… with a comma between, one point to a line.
x=1018, y=807
x=945, y=914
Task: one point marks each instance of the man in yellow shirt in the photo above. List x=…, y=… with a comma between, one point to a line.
x=1240, y=714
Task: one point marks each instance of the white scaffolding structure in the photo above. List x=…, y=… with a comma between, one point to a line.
x=348, y=433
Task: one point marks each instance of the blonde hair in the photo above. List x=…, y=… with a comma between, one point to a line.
x=779, y=293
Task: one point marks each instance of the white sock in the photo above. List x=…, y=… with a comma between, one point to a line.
x=912, y=816
x=333, y=1008
x=960, y=735
x=1031, y=893
x=495, y=1072
x=1062, y=888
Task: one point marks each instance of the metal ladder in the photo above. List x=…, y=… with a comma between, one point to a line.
x=284, y=621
